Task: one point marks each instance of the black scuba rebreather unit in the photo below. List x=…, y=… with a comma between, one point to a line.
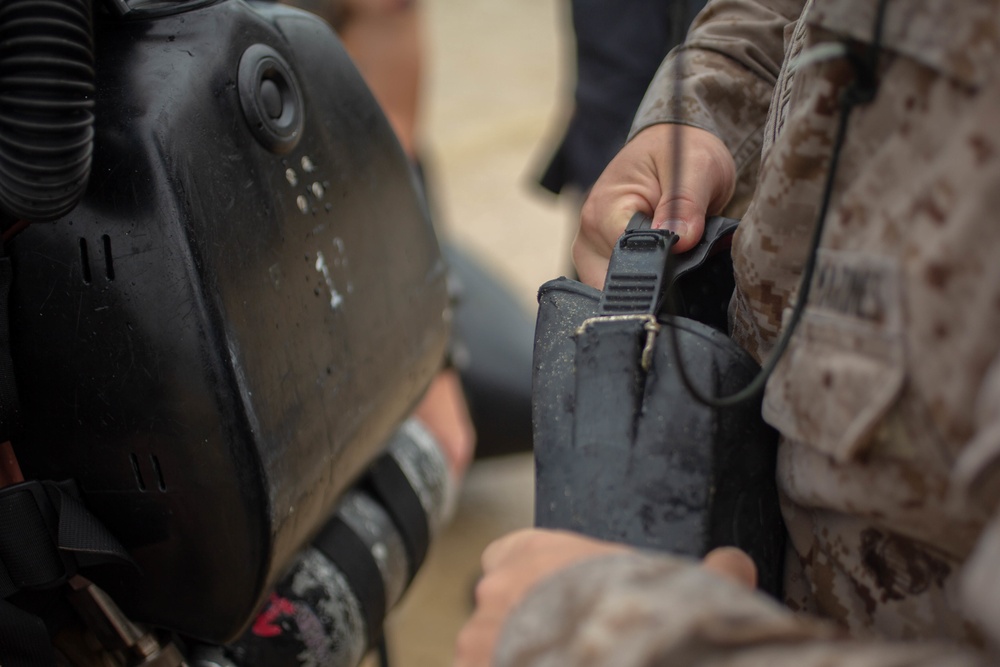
x=216, y=335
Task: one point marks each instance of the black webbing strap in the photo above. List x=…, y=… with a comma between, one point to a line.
x=45, y=534
x=393, y=489
x=338, y=542
x=29, y=552
x=81, y=534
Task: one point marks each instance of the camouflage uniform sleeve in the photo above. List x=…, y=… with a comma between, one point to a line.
x=728, y=67
x=977, y=473
x=645, y=611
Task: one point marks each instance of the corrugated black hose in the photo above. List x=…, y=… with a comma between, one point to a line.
x=46, y=106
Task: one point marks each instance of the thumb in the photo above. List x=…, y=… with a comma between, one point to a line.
x=733, y=564
x=684, y=217
x=701, y=184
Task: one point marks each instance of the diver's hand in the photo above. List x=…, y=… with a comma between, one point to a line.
x=640, y=179
x=516, y=563
x=511, y=566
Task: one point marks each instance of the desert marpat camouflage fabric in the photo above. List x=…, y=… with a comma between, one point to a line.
x=888, y=399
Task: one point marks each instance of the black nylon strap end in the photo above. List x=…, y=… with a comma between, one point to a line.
x=393, y=489
x=338, y=542
x=29, y=549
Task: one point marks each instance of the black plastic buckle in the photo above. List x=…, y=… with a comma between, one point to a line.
x=641, y=269
x=637, y=269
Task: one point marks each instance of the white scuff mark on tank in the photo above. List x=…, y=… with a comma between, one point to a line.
x=335, y=298
x=274, y=271
x=340, y=260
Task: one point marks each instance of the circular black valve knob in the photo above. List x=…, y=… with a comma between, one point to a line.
x=271, y=99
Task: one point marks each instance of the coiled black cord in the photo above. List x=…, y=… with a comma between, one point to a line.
x=46, y=106
x=861, y=90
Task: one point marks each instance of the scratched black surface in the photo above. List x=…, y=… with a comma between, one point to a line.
x=206, y=387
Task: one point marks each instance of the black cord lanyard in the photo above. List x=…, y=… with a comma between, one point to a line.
x=859, y=91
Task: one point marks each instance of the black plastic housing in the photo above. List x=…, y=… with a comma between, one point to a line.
x=226, y=330
x=623, y=450
x=648, y=465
